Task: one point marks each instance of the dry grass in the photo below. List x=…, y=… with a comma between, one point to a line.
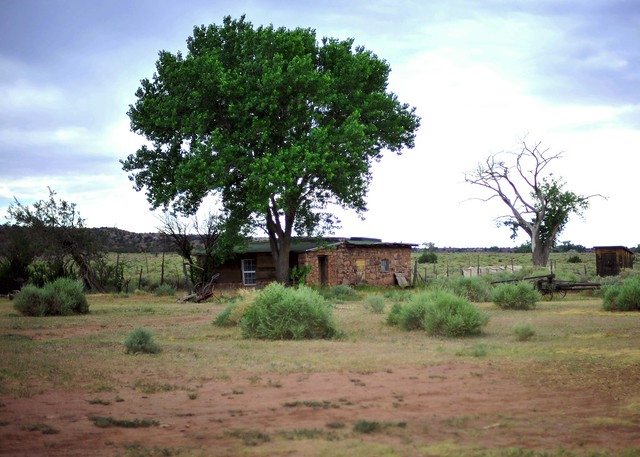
x=66, y=352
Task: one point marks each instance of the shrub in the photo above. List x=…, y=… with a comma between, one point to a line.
x=223, y=319
x=574, y=259
x=394, y=315
x=524, y=332
x=411, y=315
x=62, y=297
x=474, y=289
x=450, y=315
x=428, y=257
x=340, y=293
x=165, y=290
x=519, y=295
x=141, y=340
x=624, y=297
x=375, y=304
x=280, y=313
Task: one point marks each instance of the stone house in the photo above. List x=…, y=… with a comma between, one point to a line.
x=331, y=262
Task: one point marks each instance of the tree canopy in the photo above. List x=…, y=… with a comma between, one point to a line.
x=538, y=202
x=274, y=122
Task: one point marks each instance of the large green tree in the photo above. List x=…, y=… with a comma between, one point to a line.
x=538, y=202
x=274, y=122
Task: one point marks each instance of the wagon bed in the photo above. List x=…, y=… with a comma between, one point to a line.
x=547, y=285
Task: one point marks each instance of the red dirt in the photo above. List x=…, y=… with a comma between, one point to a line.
x=479, y=406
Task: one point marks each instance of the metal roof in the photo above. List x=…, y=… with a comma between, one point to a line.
x=303, y=244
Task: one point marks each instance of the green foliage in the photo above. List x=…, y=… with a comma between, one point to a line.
x=411, y=315
x=475, y=289
x=394, y=315
x=62, y=297
x=364, y=426
x=375, y=303
x=278, y=124
x=624, y=297
x=224, y=318
x=428, y=257
x=574, y=259
x=524, y=332
x=165, y=290
x=520, y=295
x=141, y=341
x=339, y=293
x=299, y=274
x=450, y=315
x=280, y=313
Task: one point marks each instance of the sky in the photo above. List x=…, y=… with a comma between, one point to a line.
x=482, y=75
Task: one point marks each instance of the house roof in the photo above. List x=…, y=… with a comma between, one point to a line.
x=303, y=244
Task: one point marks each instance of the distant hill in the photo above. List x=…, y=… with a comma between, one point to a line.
x=117, y=240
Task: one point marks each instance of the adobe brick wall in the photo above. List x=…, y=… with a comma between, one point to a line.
x=346, y=264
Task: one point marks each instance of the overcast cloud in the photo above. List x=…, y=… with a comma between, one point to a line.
x=481, y=74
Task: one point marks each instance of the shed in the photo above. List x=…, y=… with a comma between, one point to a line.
x=611, y=260
x=331, y=262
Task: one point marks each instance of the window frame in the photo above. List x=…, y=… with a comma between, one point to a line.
x=385, y=266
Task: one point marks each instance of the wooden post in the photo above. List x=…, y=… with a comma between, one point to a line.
x=415, y=272
x=140, y=279
x=478, y=271
x=162, y=270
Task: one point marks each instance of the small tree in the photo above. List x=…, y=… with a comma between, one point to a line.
x=56, y=228
x=216, y=235
x=538, y=203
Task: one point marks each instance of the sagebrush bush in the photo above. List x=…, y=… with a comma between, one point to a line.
x=524, y=332
x=623, y=297
x=375, y=304
x=61, y=297
x=141, y=341
x=447, y=314
x=280, y=313
x=411, y=315
x=394, y=315
x=520, y=295
x=341, y=292
x=474, y=289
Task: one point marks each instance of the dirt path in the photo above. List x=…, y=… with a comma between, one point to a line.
x=417, y=409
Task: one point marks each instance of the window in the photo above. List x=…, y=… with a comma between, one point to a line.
x=249, y=272
x=384, y=265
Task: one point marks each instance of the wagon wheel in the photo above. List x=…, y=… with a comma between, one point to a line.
x=563, y=293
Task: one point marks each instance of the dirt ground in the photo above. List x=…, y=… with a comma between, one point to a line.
x=420, y=411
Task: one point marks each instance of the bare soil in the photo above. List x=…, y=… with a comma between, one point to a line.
x=476, y=407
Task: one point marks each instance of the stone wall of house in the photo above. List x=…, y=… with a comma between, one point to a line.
x=350, y=265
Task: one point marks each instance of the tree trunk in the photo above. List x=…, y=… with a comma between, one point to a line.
x=280, y=251
x=540, y=253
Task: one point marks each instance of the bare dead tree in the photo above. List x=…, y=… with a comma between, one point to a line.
x=537, y=202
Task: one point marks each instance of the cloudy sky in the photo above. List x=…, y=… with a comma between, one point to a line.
x=482, y=74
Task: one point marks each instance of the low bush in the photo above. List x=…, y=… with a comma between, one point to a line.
x=450, y=315
x=623, y=297
x=280, y=313
x=61, y=297
x=394, y=315
x=340, y=293
x=524, y=332
x=375, y=304
x=474, y=289
x=520, y=295
x=141, y=341
x=411, y=315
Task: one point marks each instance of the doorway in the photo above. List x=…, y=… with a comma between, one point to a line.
x=323, y=268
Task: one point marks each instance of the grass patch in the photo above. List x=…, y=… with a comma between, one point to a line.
x=42, y=428
x=249, y=437
x=108, y=421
